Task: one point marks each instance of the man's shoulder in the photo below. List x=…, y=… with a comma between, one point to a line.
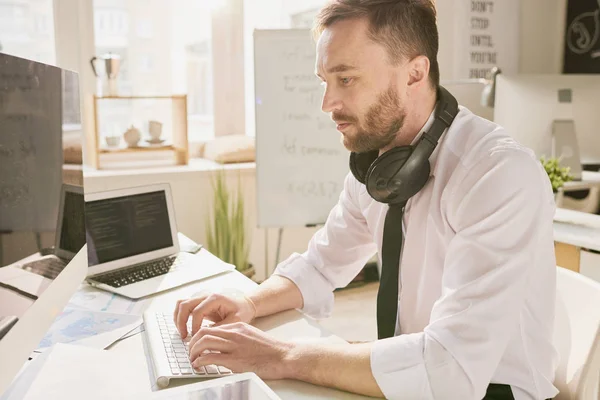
x=472, y=140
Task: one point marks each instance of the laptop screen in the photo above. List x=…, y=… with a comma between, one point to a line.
x=126, y=226
x=72, y=232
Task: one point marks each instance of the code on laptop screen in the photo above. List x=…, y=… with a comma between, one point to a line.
x=126, y=226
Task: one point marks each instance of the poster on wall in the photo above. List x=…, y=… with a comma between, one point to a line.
x=486, y=36
x=582, y=37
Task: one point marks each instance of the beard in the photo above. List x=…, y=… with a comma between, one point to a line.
x=381, y=125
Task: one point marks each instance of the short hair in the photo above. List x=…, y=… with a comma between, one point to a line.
x=406, y=28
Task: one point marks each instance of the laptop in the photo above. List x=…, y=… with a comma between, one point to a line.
x=133, y=248
x=69, y=235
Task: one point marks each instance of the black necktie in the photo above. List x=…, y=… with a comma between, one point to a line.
x=387, y=296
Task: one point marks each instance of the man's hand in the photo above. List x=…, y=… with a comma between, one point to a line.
x=243, y=348
x=218, y=308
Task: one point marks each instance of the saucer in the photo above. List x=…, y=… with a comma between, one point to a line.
x=155, y=141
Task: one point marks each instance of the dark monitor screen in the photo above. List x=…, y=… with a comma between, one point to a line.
x=126, y=226
x=35, y=100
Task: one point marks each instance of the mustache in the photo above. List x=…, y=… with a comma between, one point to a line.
x=339, y=117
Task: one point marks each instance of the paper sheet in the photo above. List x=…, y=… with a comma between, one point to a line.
x=75, y=372
x=99, y=300
x=88, y=328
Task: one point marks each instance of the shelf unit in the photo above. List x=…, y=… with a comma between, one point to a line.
x=179, y=144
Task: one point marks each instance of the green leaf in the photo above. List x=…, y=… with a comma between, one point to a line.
x=226, y=231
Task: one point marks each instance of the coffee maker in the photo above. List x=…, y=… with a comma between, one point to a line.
x=107, y=79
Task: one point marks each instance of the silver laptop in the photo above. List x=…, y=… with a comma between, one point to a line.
x=69, y=235
x=133, y=249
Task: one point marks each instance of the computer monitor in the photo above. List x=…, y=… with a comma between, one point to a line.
x=528, y=107
x=41, y=204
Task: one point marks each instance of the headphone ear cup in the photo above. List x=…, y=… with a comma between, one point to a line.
x=383, y=170
x=360, y=163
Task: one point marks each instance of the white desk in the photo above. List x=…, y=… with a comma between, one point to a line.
x=574, y=232
x=290, y=325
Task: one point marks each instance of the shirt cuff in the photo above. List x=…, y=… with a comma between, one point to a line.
x=316, y=290
x=398, y=368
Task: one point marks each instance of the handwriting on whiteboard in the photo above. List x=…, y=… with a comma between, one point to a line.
x=584, y=32
x=314, y=188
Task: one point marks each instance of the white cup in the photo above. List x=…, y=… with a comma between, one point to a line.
x=155, y=129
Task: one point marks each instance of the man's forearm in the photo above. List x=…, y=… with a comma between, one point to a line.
x=345, y=367
x=276, y=294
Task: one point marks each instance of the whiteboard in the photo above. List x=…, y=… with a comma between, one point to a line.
x=30, y=145
x=300, y=160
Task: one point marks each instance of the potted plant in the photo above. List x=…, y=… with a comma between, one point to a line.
x=558, y=175
x=226, y=229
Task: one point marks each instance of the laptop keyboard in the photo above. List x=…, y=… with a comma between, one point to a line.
x=177, y=351
x=140, y=272
x=47, y=267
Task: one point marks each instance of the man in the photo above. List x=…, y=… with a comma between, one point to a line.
x=477, y=272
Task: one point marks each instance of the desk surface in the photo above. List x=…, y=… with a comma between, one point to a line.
x=577, y=228
x=290, y=325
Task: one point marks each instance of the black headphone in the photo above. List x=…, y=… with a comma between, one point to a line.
x=400, y=173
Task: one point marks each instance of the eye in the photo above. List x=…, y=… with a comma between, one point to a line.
x=346, y=81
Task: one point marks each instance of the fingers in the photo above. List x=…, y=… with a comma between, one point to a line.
x=218, y=332
x=209, y=307
x=212, y=343
x=176, y=311
x=220, y=359
x=184, y=309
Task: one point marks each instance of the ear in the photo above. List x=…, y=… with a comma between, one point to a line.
x=418, y=70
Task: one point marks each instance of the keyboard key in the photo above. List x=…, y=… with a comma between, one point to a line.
x=187, y=371
x=224, y=370
x=212, y=369
x=200, y=371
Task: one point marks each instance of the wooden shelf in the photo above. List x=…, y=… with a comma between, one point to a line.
x=178, y=143
x=140, y=97
x=106, y=150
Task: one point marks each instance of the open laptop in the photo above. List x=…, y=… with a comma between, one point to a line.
x=133, y=249
x=69, y=235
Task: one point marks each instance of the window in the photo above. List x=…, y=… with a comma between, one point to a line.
x=27, y=29
x=165, y=48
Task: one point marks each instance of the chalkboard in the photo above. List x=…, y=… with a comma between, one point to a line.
x=30, y=144
x=300, y=160
x=582, y=39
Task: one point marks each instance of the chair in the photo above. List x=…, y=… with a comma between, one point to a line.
x=577, y=336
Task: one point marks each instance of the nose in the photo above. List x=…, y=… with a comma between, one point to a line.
x=331, y=101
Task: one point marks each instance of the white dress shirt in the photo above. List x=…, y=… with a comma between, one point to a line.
x=477, y=271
